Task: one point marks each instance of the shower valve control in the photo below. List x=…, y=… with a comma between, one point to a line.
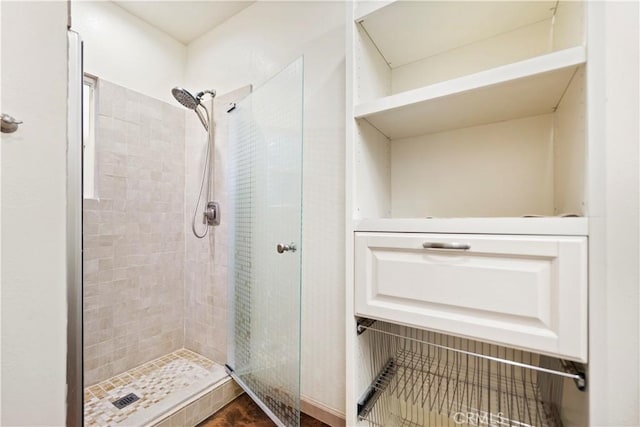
x=211, y=215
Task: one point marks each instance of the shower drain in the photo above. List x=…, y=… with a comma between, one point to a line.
x=125, y=401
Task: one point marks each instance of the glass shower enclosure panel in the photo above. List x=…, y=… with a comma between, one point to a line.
x=265, y=193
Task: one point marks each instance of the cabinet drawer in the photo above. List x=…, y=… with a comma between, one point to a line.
x=523, y=291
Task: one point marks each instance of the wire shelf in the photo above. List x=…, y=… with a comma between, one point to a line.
x=428, y=379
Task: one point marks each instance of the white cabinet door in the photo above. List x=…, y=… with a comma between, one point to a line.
x=528, y=292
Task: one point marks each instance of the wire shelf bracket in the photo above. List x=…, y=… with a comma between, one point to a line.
x=362, y=323
x=377, y=387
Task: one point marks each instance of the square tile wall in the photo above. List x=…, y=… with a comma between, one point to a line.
x=206, y=259
x=134, y=241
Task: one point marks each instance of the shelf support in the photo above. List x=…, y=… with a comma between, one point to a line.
x=579, y=372
x=363, y=324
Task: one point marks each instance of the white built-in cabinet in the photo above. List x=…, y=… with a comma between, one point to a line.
x=517, y=290
x=467, y=211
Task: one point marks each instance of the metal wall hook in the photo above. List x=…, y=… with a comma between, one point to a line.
x=9, y=123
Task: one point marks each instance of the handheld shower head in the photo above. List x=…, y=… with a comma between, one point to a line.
x=211, y=213
x=191, y=102
x=185, y=98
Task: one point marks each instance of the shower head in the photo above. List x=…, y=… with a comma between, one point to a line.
x=185, y=98
x=191, y=102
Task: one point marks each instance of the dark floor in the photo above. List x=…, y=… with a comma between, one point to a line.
x=243, y=412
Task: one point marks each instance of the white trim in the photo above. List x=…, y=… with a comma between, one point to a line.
x=545, y=226
x=89, y=119
x=75, y=364
x=321, y=412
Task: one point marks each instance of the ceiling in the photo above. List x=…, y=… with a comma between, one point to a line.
x=185, y=21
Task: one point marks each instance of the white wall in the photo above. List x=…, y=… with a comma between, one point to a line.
x=125, y=50
x=614, y=291
x=34, y=311
x=248, y=49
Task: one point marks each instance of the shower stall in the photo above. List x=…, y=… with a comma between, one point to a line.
x=173, y=308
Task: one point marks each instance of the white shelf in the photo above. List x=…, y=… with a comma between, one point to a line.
x=364, y=9
x=526, y=88
x=547, y=226
x=401, y=29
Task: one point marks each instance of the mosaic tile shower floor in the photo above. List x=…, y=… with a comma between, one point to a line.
x=153, y=382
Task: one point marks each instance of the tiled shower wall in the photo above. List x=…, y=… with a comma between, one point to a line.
x=134, y=234
x=206, y=259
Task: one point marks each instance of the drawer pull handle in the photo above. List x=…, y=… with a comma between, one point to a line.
x=452, y=245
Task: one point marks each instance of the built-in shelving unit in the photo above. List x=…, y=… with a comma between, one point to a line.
x=466, y=189
x=526, y=88
x=407, y=31
x=487, y=120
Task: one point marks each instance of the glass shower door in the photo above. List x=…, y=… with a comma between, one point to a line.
x=265, y=193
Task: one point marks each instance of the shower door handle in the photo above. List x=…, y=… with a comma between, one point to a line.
x=282, y=248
